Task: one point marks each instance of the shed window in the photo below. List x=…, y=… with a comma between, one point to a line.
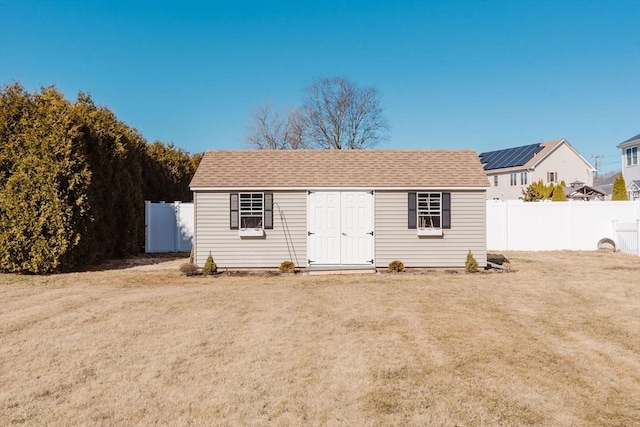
x=429, y=211
x=513, y=179
x=251, y=211
x=523, y=178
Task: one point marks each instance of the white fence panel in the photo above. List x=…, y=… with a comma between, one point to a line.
x=628, y=236
x=573, y=225
x=168, y=227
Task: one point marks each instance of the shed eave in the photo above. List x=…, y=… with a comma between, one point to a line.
x=482, y=187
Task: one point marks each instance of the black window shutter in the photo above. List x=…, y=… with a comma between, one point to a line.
x=268, y=211
x=413, y=218
x=233, y=211
x=446, y=210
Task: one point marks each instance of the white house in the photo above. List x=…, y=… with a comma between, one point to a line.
x=631, y=166
x=339, y=209
x=511, y=170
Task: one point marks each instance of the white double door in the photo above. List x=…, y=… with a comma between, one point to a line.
x=340, y=227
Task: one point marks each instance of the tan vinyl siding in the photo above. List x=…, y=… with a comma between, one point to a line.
x=395, y=241
x=229, y=250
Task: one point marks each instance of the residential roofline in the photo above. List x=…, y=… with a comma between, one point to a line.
x=630, y=141
x=560, y=142
x=346, y=188
x=537, y=158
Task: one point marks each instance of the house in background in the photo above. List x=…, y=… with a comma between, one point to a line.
x=580, y=191
x=631, y=166
x=339, y=209
x=511, y=170
x=605, y=184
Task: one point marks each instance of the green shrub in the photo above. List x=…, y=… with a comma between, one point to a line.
x=189, y=269
x=619, y=189
x=471, y=265
x=537, y=191
x=287, y=267
x=558, y=194
x=210, y=267
x=396, y=266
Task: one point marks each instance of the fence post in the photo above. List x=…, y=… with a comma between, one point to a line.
x=570, y=221
x=638, y=237
x=176, y=233
x=505, y=204
x=147, y=222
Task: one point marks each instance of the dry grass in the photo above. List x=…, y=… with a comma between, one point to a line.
x=555, y=343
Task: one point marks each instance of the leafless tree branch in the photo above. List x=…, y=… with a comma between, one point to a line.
x=337, y=114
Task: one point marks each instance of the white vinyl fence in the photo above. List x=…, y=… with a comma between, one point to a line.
x=573, y=225
x=168, y=227
x=511, y=225
x=627, y=236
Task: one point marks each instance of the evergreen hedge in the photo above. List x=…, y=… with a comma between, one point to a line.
x=73, y=180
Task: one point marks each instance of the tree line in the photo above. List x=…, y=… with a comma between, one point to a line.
x=73, y=180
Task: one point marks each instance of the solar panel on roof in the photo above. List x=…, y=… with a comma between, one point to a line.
x=509, y=157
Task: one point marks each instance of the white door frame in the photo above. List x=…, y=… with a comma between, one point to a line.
x=329, y=251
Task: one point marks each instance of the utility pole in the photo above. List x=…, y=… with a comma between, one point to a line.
x=596, y=160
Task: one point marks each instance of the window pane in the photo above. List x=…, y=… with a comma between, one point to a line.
x=251, y=210
x=429, y=210
x=251, y=222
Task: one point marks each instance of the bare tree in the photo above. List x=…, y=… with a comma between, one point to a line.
x=272, y=130
x=340, y=115
x=296, y=130
x=337, y=114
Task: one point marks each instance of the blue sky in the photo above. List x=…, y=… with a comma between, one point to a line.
x=451, y=74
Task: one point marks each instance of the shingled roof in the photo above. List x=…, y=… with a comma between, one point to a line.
x=339, y=169
x=632, y=139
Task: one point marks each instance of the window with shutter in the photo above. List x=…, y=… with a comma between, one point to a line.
x=429, y=213
x=251, y=213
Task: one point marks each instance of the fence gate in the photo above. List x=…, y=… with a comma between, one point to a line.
x=628, y=237
x=168, y=227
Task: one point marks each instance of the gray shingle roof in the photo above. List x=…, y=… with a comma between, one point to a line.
x=633, y=138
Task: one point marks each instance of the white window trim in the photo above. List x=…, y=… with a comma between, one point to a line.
x=254, y=231
x=513, y=179
x=630, y=159
x=428, y=231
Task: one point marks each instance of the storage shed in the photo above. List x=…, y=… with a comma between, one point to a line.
x=339, y=209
